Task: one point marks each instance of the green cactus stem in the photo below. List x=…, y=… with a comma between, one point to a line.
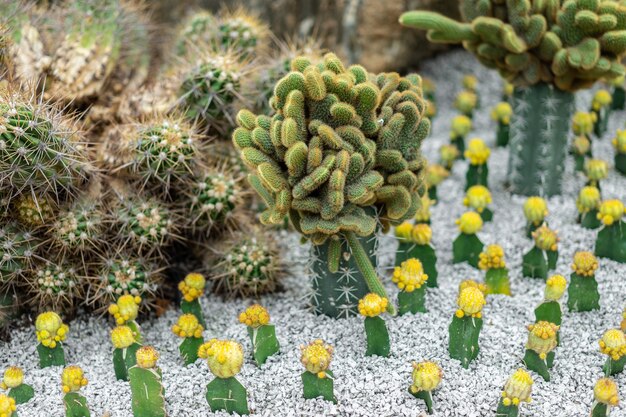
x=22, y=393
x=51, y=356
x=227, y=394
x=507, y=410
x=377, y=337
x=583, y=293
x=412, y=302
x=533, y=362
x=549, y=311
x=611, y=242
x=123, y=360
x=467, y=248
x=188, y=349
x=464, y=333
x=476, y=175
x=502, y=135
x=589, y=220
x=602, y=122
x=535, y=264
x=618, y=98
x=613, y=367
x=600, y=410
x=147, y=392
x=497, y=281
x=193, y=307
x=620, y=162
x=553, y=258
x=426, y=396
x=459, y=143
x=264, y=342
x=75, y=405
x=425, y=254
x=316, y=387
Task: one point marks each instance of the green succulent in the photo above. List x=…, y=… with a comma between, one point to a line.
x=79, y=227
x=198, y=30
x=53, y=286
x=145, y=223
x=17, y=253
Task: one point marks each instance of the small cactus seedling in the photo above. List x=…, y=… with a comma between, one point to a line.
x=414, y=243
x=461, y=126
x=477, y=172
x=448, y=154
x=550, y=309
x=13, y=383
x=601, y=107
x=501, y=113
x=581, y=149
x=583, y=292
x=125, y=350
x=16, y=253
x=192, y=288
x=466, y=323
x=467, y=246
x=72, y=380
x=225, y=392
x=588, y=203
x=535, y=210
x=613, y=344
x=596, y=170
x=53, y=286
x=33, y=211
x=478, y=198
x=411, y=280
x=492, y=261
x=51, y=332
x=619, y=143
x=466, y=102
x=544, y=254
x=190, y=330
x=606, y=396
x=7, y=406
x=611, y=240
x=371, y=307
x=125, y=311
x=435, y=174
x=317, y=379
x=426, y=378
x=539, y=356
x=148, y=397
x=516, y=391
x=262, y=333
x=618, y=95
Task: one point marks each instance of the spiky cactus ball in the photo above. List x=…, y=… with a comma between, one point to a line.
x=33, y=211
x=17, y=252
x=79, y=227
x=197, y=31
x=53, y=286
x=241, y=32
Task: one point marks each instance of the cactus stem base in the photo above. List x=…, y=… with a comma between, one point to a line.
x=476, y=175
x=377, y=337
x=535, y=264
x=590, y=220
x=412, y=302
x=426, y=396
x=534, y=363
x=264, y=342
x=613, y=367
x=75, y=405
x=620, y=162
x=21, y=394
x=463, y=343
x=51, y=356
x=315, y=387
x=467, y=248
x=497, y=281
x=227, y=394
x=611, y=242
x=583, y=294
x=507, y=410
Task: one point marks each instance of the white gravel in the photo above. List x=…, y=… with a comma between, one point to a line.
x=367, y=386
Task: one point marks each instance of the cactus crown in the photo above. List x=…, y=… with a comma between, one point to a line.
x=601, y=99
x=372, y=305
x=542, y=337
x=421, y=233
x=254, y=316
x=50, y=329
x=518, y=388
x=581, y=145
x=470, y=301
x=147, y=357
x=436, y=173
x=588, y=199
x=426, y=376
x=470, y=223
x=448, y=154
x=477, y=197
x=224, y=357
x=555, y=287
x=585, y=264
x=605, y=392
x=33, y=211
x=16, y=252
x=461, y=126
x=466, y=101
x=53, y=286
x=613, y=344
x=188, y=326
x=582, y=122
x=316, y=356
x=611, y=211
x=122, y=337
x=545, y=238
x=126, y=309
x=491, y=258
x=477, y=152
x=535, y=210
x=13, y=377
x=596, y=169
x=73, y=379
x=192, y=287
x=7, y=405
x=502, y=112
x=410, y=275
x=619, y=141
x=466, y=283
x=79, y=227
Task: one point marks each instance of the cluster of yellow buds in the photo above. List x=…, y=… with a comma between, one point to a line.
x=605, y=392
x=13, y=378
x=582, y=122
x=535, y=210
x=470, y=82
x=426, y=376
x=470, y=223
x=542, y=338
x=420, y=233
x=492, y=258
x=588, y=199
x=502, y=112
x=477, y=152
x=613, y=344
x=436, y=173
x=316, y=357
x=471, y=302
x=596, y=169
x=122, y=337
x=147, y=357
x=581, y=145
x=461, y=126
x=517, y=389
x=422, y=214
x=410, y=275
x=7, y=406
x=224, y=357
x=50, y=329
x=448, y=154
x=192, y=287
x=470, y=283
x=466, y=101
x=254, y=316
x=611, y=211
x=585, y=264
x=478, y=197
x=73, y=379
x=601, y=99
x=125, y=309
x=188, y=326
x=555, y=287
x=372, y=305
x=546, y=238
x=619, y=141
x=403, y=231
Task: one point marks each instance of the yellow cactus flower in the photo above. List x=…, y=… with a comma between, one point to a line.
x=122, y=337
x=613, y=344
x=466, y=101
x=581, y=145
x=619, y=141
x=470, y=283
x=542, y=338
x=477, y=197
x=188, y=326
x=421, y=234
x=588, y=199
x=13, y=378
x=596, y=169
x=436, y=173
x=508, y=89
x=535, y=210
x=7, y=406
x=147, y=357
x=422, y=214
x=409, y=276
x=518, y=388
x=403, y=231
x=555, y=287
x=192, y=287
x=546, y=238
x=126, y=309
x=255, y=316
x=224, y=357
x=448, y=154
x=605, y=392
x=502, y=113
x=477, y=152
x=470, y=82
x=50, y=329
x=470, y=223
x=426, y=376
x=582, y=123
x=585, y=264
x=601, y=99
x=73, y=379
x=372, y=305
x=492, y=258
x=471, y=301
x=316, y=357
x=461, y=126
x=611, y=211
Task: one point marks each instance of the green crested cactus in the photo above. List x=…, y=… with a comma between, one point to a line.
x=17, y=253
x=491, y=260
x=411, y=281
x=125, y=351
x=340, y=156
x=125, y=311
x=262, y=333
x=467, y=246
x=196, y=31
x=619, y=143
x=146, y=387
x=613, y=344
x=53, y=286
x=535, y=210
x=583, y=292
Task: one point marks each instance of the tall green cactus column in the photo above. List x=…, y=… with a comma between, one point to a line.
x=538, y=138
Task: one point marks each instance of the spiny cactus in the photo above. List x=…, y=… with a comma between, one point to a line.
x=426, y=377
x=79, y=227
x=17, y=253
x=54, y=286
x=33, y=211
x=197, y=30
x=240, y=31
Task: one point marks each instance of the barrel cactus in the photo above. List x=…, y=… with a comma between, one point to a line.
x=33, y=211
x=79, y=227
x=54, y=285
x=240, y=31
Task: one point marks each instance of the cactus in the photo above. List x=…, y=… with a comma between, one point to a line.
x=54, y=286
x=466, y=102
x=410, y=279
x=606, y=396
x=17, y=253
x=125, y=312
x=613, y=344
x=601, y=107
x=262, y=334
x=225, y=359
x=190, y=330
x=33, y=211
x=619, y=143
x=477, y=171
x=618, y=96
x=583, y=122
x=497, y=274
x=588, y=203
x=501, y=113
x=435, y=174
x=583, y=292
x=73, y=379
x=145, y=385
x=79, y=227
x=611, y=240
x=459, y=129
x=426, y=377
x=414, y=242
x=192, y=288
x=422, y=215
x=448, y=154
x=7, y=406
x=467, y=246
x=539, y=356
x=317, y=379
x=125, y=350
x=581, y=149
x=544, y=254
x=516, y=391
x=13, y=383
x=535, y=210
x=550, y=309
x=371, y=307
x=197, y=30
x=240, y=31
x=51, y=332
x=467, y=321
x=478, y=197
x=596, y=170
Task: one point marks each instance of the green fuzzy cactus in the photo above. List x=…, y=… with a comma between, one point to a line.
x=147, y=393
x=55, y=286
x=17, y=253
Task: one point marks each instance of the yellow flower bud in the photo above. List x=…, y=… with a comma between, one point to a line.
x=426, y=376
x=403, y=231
x=122, y=337
x=617, y=81
x=50, y=329
x=477, y=197
x=518, y=388
x=423, y=212
x=477, y=152
x=596, y=169
x=372, y=305
x=555, y=287
x=448, y=154
x=471, y=301
x=588, y=199
x=436, y=173
x=582, y=123
x=470, y=82
x=461, y=126
x=470, y=222
x=7, y=406
x=613, y=344
x=502, y=112
x=13, y=377
x=255, y=316
x=73, y=379
x=491, y=258
x=192, y=287
x=147, y=357
x=606, y=392
x=508, y=89
x=581, y=145
x=421, y=234
x=316, y=356
x=585, y=264
x=535, y=210
x=611, y=211
x=466, y=101
x=188, y=326
x=619, y=141
x=467, y=283
x=126, y=309
x=542, y=337
x=545, y=238
x=409, y=276
x=601, y=99
x=224, y=357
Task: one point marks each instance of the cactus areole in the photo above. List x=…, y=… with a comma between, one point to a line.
x=548, y=50
x=341, y=158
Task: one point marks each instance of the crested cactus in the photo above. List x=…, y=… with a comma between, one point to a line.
x=459, y=129
x=72, y=380
x=542, y=257
x=478, y=198
x=51, y=332
x=535, y=210
x=411, y=281
x=467, y=246
x=13, y=383
x=317, y=379
x=371, y=307
x=501, y=113
x=588, y=203
x=125, y=350
x=606, y=396
x=477, y=172
x=192, y=288
x=148, y=397
x=542, y=340
x=262, y=333
x=619, y=143
x=464, y=330
x=601, y=107
x=497, y=275
x=190, y=330
x=583, y=292
x=611, y=240
x=516, y=391
x=613, y=344
x=426, y=377
x=414, y=243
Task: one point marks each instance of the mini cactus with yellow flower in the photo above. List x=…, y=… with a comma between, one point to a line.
x=613, y=344
x=477, y=172
x=435, y=174
x=544, y=254
x=606, y=396
x=448, y=153
x=460, y=128
x=619, y=143
x=190, y=330
x=124, y=351
x=411, y=280
x=497, y=274
x=414, y=243
x=13, y=383
x=581, y=149
x=611, y=240
x=146, y=387
x=192, y=288
x=422, y=214
x=502, y=113
x=542, y=339
x=371, y=307
x=72, y=380
x=262, y=333
x=51, y=333
x=535, y=210
x=582, y=123
x=470, y=83
x=225, y=392
x=588, y=203
x=426, y=377
x=7, y=406
x=466, y=102
x=317, y=379
x=550, y=309
x=467, y=246
x=596, y=170
x=478, y=198
x=125, y=311
x=516, y=391
x=601, y=106
x=507, y=90
x=583, y=292
x=466, y=324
